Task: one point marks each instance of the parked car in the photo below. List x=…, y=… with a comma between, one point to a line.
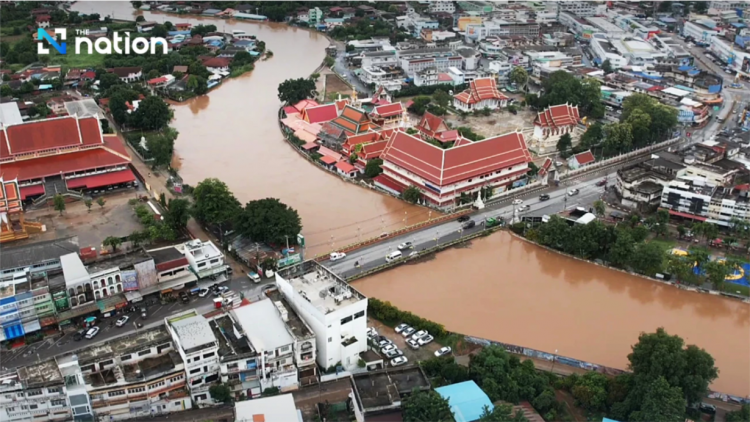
x=184, y=297
x=252, y=275
x=383, y=342
x=372, y=333
x=400, y=327
x=79, y=335
x=544, y=197
x=602, y=182
x=393, y=353
x=408, y=331
x=203, y=293
x=573, y=192
x=468, y=225
x=401, y=360
x=220, y=290
x=517, y=201
x=404, y=246
x=92, y=332
x=122, y=321
x=419, y=334
x=387, y=348
x=425, y=340
x=335, y=256
x=707, y=408
x=463, y=218
x=443, y=351
x=412, y=343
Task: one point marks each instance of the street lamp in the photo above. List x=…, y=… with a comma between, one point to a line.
x=437, y=237
x=554, y=359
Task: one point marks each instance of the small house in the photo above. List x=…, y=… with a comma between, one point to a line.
x=217, y=64
x=466, y=400
x=580, y=160
x=43, y=21
x=145, y=26
x=345, y=169
x=128, y=74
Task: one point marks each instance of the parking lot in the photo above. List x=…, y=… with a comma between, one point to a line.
x=413, y=356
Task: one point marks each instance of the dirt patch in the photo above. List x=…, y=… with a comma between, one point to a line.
x=335, y=85
x=497, y=123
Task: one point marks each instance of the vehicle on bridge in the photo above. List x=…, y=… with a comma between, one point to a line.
x=393, y=256
x=335, y=256
x=404, y=246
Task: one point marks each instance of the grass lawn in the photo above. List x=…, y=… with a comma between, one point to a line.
x=736, y=288
x=76, y=60
x=666, y=244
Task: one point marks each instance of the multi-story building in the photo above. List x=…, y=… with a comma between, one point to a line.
x=552, y=123
x=699, y=31
x=135, y=376
x=580, y=8
x=426, y=77
x=440, y=6
x=734, y=57
x=39, y=258
x=576, y=24
x=36, y=392
x=640, y=185
x=305, y=346
x=604, y=26
x=440, y=58
x=380, y=58
x=25, y=306
x=195, y=342
x=204, y=257
x=604, y=50
x=501, y=28
x=334, y=310
x=635, y=26
x=727, y=5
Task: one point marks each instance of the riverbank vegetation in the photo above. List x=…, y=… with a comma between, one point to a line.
x=666, y=377
x=292, y=91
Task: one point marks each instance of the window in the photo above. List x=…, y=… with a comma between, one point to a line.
x=200, y=397
x=330, y=339
x=125, y=357
x=232, y=366
x=195, y=371
x=53, y=390
x=285, y=349
x=214, y=261
x=177, y=403
x=144, y=352
x=157, y=385
x=32, y=393
x=105, y=363
x=33, y=406
x=196, y=359
x=359, y=314
x=196, y=381
x=116, y=393
x=137, y=390
x=208, y=355
x=202, y=264
x=346, y=320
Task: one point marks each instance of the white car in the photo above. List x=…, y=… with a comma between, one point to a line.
x=408, y=331
x=384, y=342
x=400, y=327
x=122, y=321
x=252, y=275
x=404, y=246
x=372, y=333
x=412, y=343
x=393, y=353
x=203, y=293
x=335, y=256
x=419, y=334
x=401, y=360
x=573, y=192
x=517, y=201
x=92, y=332
x=425, y=340
x=388, y=347
x=443, y=351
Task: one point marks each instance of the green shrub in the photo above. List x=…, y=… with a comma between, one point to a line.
x=391, y=315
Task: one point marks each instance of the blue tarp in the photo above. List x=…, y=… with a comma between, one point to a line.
x=13, y=332
x=173, y=33
x=685, y=68
x=466, y=399
x=694, y=72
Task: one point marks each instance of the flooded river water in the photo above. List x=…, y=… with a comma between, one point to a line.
x=500, y=288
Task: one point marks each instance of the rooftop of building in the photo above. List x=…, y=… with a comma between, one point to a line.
x=272, y=333
x=230, y=346
x=320, y=286
x=41, y=373
x=640, y=171
x=385, y=387
x=121, y=261
x=155, y=367
x=201, y=249
x=167, y=254
x=193, y=331
x=38, y=252
x=123, y=345
x=295, y=324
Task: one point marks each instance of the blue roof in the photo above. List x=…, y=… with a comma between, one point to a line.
x=466, y=399
x=608, y=420
x=738, y=25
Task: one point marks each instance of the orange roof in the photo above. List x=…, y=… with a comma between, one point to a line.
x=47, y=134
x=320, y=114
x=353, y=121
x=345, y=167
x=388, y=110
x=304, y=104
x=584, y=158
x=431, y=124
x=557, y=116
x=328, y=159
x=372, y=150
x=443, y=167
x=479, y=90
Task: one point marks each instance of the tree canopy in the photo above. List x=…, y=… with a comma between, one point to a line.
x=152, y=114
x=426, y=406
x=562, y=87
x=214, y=202
x=269, y=220
x=292, y=91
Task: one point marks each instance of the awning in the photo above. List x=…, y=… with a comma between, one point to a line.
x=32, y=190
x=175, y=284
x=47, y=321
x=32, y=326
x=99, y=180
x=108, y=304
x=686, y=215
x=14, y=331
x=81, y=310
x=134, y=296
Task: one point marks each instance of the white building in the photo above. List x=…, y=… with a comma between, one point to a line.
x=606, y=27
x=603, y=49
x=481, y=94
x=336, y=312
x=204, y=257
x=36, y=392
x=582, y=8
x=195, y=342
x=426, y=77
x=737, y=59
x=727, y=5
x=698, y=31
x=636, y=51
x=268, y=409
x=380, y=58
x=439, y=6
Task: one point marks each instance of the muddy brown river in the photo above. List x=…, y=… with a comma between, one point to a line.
x=499, y=288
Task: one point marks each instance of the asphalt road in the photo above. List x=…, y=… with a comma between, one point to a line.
x=53, y=346
x=342, y=69
x=374, y=255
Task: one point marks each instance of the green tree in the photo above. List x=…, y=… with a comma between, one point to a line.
x=159, y=31
x=662, y=402
x=700, y=7
x=681, y=231
x=562, y=87
x=202, y=30
x=88, y=203
x=101, y=201
x=220, y=393
x=153, y=73
x=160, y=148
x=426, y=406
x=681, y=268
x=112, y=241
x=533, y=169
x=6, y=90
x=138, y=237
x=140, y=19
x=214, y=202
x=742, y=415
x=519, y=76
x=619, y=138
x=647, y=258
x=607, y=67
x=501, y=413
x=152, y=114
x=621, y=252
x=178, y=214
x=269, y=220
x=329, y=61
x=716, y=273
x=640, y=127
x=292, y=91
x=593, y=135
x=411, y=194
x=59, y=202
x=373, y=167
x=599, y=207
x=590, y=391
x=710, y=231
x=419, y=104
x=202, y=87
x=192, y=82
x=699, y=256
x=564, y=144
x=441, y=98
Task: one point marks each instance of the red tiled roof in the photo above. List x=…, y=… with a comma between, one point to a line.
x=48, y=134
x=461, y=141
x=444, y=77
x=157, y=80
x=686, y=215
x=388, y=110
x=557, y=116
x=388, y=182
x=124, y=72
x=545, y=166
x=32, y=190
x=585, y=157
x=353, y=121
x=480, y=89
x=90, y=74
x=320, y=114
x=310, y=145
x=363, y=138
x=372, y=150
x=42, y=18
x=216, y=62
x=444, y=167
x=63, y=163
x=431, y=124
x=290, y=110
x=305, y=104
x=345, y=167
x=328, y=159
x=99, y=180
x=448, y=136
x=340, y=104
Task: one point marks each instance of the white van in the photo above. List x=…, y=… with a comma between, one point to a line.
x=393, y=256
